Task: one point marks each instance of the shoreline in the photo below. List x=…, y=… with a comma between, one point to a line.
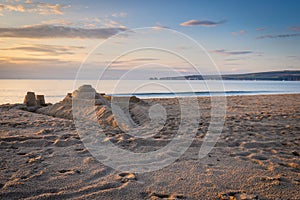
x=163, y=97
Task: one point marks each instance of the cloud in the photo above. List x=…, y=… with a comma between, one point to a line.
x=57, y=22
x=241, y=32
x=121, y=14
x=91, y=19
x=50, y=31
x=96, y=22
x=234, y=59
x=278, y=36
x=112, y=23
x=37, y=68
x=228, y=53
x=17, y=8
x=295, y=28
x=90, y=25
x=260, y=29
x=47, y=8
x=294, y=57
x=160, y=27
x=34, y=7
x=132, y=61
x=90, y=22
x=21, y=60
x=207, y=23
x=143, y=59
x=28, y=1
x=48, y=49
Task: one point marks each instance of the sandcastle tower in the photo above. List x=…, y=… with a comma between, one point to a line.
x=30, y=99
x=33, y=101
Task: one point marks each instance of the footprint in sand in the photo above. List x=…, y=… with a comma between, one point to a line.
x=35, y=159
x=275, y=180
x=295, y=153
x=45, y=131
x=69, y=171
x=235, y=195
x=257, y=157
x=126, y=176
x=82, y=151
x=243, y=153
x=65, y=142
x=22, y=153
x=157, y=196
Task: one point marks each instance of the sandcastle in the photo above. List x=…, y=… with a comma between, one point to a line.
x=33, y=102
x=136, y=109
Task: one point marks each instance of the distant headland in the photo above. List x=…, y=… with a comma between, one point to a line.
x=286, y=75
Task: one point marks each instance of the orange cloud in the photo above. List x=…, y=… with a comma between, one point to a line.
x=34, y=7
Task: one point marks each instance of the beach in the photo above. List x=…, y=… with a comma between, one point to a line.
x=257, y=156
x=149, y=100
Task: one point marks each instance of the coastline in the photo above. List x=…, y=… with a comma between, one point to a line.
x=256, y=156
x=12, y=91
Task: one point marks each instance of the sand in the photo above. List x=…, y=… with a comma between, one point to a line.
x=256, y=156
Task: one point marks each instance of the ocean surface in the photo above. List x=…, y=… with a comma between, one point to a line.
x=13, y=91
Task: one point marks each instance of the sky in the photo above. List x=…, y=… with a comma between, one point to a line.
x=108, y=39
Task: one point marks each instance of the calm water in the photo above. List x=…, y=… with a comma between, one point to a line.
x=13, y=91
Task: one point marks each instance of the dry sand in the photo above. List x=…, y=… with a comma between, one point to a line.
x=256, y=156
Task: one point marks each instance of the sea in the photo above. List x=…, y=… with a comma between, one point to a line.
x=13, y=91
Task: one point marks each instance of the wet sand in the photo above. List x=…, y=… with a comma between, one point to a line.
x=257, y=156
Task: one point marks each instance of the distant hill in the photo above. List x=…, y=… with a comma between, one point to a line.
x=286, y=75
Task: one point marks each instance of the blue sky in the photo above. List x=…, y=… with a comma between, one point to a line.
x=40, y=39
